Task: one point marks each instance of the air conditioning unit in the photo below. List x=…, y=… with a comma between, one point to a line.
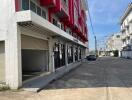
x=59, y=24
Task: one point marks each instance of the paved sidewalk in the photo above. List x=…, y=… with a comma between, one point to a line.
x=105, y=79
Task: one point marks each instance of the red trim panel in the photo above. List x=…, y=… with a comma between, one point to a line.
x=47, y=2
x=17, y=6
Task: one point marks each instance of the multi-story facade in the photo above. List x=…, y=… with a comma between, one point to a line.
x=114, y=43
x=126, y=29
x=40, y=38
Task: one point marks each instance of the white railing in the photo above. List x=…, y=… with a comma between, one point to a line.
x=123, y=36
x=35, y=8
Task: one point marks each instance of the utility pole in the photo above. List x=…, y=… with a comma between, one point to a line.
x=96, y=49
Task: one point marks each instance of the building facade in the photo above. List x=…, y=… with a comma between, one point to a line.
x=114, y=44
x=40, y=37
x=126, y=29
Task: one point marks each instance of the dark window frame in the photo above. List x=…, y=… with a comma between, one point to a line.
x=25, y=5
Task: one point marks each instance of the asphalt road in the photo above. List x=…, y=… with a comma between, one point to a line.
x=105, y=79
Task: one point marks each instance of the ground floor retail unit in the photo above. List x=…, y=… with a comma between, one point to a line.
x=126, y=54
x=39, y=55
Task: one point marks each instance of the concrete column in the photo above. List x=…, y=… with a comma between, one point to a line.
x=66, y=57
x=73, y=54
x=51, y=55
x=78, y=53
x=83, y=53
x=119, y=53
x=12, y=44
x=13, y=58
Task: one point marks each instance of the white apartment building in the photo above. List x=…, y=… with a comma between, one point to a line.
x=126, y=29
x=114, y=43
x=40, y=40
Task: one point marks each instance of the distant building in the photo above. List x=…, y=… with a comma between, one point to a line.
x=114, y=44
x=101, y=52
x=126, y=30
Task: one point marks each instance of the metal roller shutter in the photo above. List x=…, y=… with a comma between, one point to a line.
x=2, y=62
x=28, y=42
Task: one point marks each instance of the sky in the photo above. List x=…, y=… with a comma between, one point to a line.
x=105, y=15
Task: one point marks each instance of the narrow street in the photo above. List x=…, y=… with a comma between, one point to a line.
x=105, y=79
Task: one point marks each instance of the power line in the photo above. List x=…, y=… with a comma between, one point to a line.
x=91, y=23
x=96, y=49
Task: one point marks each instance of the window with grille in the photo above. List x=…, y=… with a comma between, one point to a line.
x=25, y=4
x=32, y=6
x=44, y=14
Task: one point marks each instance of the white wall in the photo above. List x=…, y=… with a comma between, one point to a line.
x=9, y=29
x=127, y=54
x=127, y=20
x=114, y=42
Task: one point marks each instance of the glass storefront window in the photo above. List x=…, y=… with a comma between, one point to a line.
x=70, y=54
x=59, y=55
x=80, y=54
x=76, y=54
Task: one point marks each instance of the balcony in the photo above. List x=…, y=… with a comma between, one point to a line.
x=65, y=7
x=123, y=29
x=81, y=34
x=83, y=28
x=32, y=15
x=33, y=6
x=126, y=24
x=30, y=20
x=130, y=20
x=84, y=37
x=62, y=9
x=83, y=14
x=48, y=3
x=127, y=47
x=123, y=36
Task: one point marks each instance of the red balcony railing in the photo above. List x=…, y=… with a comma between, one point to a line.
x=69, y=21
x=83, y=14
x=50, y=3
x=65, y=7
x=60, y=9
x=17, y=5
